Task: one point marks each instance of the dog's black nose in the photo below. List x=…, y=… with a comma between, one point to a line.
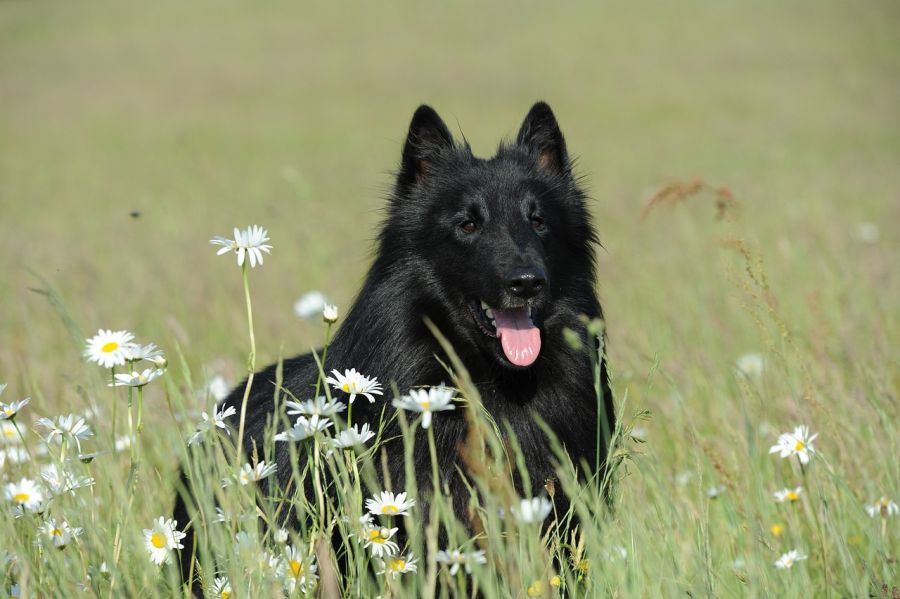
x=526, y=282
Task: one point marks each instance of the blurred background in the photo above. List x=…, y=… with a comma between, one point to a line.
x=132, y=134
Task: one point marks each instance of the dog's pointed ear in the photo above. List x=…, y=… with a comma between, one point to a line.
x=428, y=136
x=541, y=136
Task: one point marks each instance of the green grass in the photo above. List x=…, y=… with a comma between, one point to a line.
x=206, y=116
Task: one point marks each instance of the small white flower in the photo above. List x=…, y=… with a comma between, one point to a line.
x=72, y=426
x=162, y=538
x=134, y=352
x=456, y=559
x=388, y=504
x=355, y=383
x=790, y=495
x=8, y=411
x=352, y=437
x=304, y=428
x=249, y=242
x=532, y=510
x=330, y=313
x=750, y=365
x=299, y=572
x=320, y=405
x=8, y=433
x=280, y=536
x=14, y=455
x=786, y=561
x=59, y=533
x=221, y=588
x=310, y=305
x=378, y=540
x=217, y=388
x=396, y=565
x=217, y=420
x=714, y=492
x=251, y=474
x=797, y=443
x=61, y=481
x=123, y=443
x=25, y=494
x=434, y=399
x=884, y=507
x=138, y=379
x=107, y=348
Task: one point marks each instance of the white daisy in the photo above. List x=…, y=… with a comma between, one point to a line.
x=435, y=399
x=883, y=507
x=352, y=437
x=60, y=533
x=61, y=481
x=310, y=305
x=300, y=572
x=14, y=455
x=378, y=540
x=249, y=242
x=217, y=388
x=330, y=313
x=221, y=588
x=135, y=351
x=320, y=405
x=456, y=559
x=532, y=510
x=107, y=348
x=396, y=565
x=355, y=383
x=8, y=411
x=790, y=495
x=162, y=538
x=217, y=420
x=280, y=536
x=388, y=504
x=138, y=379
x=66, y=426
x=304, y=428
x=8, y=433
x=25, y=494
x=252, y=474
x=787, y=560
x=750, y=365
x=797, y=443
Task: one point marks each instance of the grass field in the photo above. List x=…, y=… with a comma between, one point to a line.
x=129, y=137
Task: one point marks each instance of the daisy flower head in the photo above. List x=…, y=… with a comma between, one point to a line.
x=221, y=588
x=280, y=536
x=787, y=560
x=8, y=433
x=304, y=428
x=300, y=571
x=798, y=443
x=320, y=405
x=396, y=565
x=532, y=510
x=252, y=474
x=426, y=402
x=162, y=538
x=788, y=495
x=14, y=455
x=355, y=383
x=352, y=437
x=217, y=420
x=59, y=480
x=217, y=388
x=457, y=559
x=25, y=494
x=388, y=504
x=72, y=426
x=137, y=379
x=59, y=533
x=884, y=507
x=378, y=540
x=310, y=305
x=249, y=243
x=8, y=411
x=330, y=313
x=107, y=348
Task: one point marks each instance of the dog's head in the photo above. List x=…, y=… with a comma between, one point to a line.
x=502, y=246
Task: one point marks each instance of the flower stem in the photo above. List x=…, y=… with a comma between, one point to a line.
x=251, y=366
x=115, y=405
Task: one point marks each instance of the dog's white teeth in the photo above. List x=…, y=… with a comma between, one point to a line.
x=489, y=313
x=484, y=306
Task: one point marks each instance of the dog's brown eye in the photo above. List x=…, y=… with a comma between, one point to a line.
x=538, y=223
x=468, y=226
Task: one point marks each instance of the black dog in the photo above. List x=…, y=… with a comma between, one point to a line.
x=498, y=254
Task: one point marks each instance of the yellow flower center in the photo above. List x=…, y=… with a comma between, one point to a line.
x=8, y=411
x=225, y=594
x=346, y=387
x=800, y=446
x=296, y=568
x=21, y=497
x=109, y=347
x=426, y=405
x=397, y=564
x=56, y=532
x=793, y=495
x=556, y=581
x=390, y=509
x=9, y=433
x=375, y=536
x=158, y=540
x=777, y=530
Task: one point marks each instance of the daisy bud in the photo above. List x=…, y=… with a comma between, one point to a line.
x=330, y=313
x=160, y=361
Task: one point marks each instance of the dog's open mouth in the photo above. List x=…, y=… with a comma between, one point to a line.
x=514, y=327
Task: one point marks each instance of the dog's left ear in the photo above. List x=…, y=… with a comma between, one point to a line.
x=541, y=136
x=428, y=137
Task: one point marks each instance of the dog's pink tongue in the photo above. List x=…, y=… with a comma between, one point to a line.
x=521, y=340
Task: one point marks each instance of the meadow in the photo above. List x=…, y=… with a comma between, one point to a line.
x=742, y=164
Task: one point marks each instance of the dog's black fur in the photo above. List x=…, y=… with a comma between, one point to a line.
x=512, y=231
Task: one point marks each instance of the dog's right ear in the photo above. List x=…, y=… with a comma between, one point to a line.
x=428, y=136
